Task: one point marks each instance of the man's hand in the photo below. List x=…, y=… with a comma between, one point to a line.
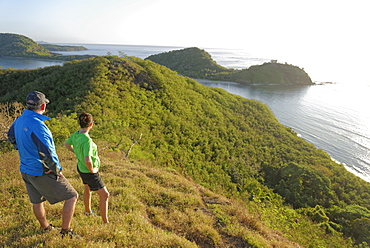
x=49, y=171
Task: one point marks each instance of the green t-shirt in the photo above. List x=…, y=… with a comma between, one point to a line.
x=84, y=146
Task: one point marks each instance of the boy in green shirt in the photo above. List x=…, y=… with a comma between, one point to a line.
x=88, y=165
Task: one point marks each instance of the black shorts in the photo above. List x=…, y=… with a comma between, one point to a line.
x=94, y=180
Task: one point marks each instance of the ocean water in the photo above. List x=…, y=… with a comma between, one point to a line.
x=333, y=117
x=22, y=63
x=229, y=58
x=129, y=50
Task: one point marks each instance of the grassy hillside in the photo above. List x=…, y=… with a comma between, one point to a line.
x=149, y=207
x=196, y=63
x=233, y=148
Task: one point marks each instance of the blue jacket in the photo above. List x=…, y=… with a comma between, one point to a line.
x=34, y=142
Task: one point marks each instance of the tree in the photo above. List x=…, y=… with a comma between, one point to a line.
x=304, y=187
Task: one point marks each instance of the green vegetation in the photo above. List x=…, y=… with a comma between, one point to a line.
x=211, y=169
x=52, y=47
x=196, y=63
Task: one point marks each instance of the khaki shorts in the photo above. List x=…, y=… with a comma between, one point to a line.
x=48, y=187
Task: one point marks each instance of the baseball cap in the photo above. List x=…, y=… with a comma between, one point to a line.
x=35, y=98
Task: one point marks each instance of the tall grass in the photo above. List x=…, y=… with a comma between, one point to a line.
x=149, y=207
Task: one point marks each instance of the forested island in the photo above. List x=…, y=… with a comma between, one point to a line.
x=197, y=63
x=15, y=45
x=207, y=169
x=52, y=47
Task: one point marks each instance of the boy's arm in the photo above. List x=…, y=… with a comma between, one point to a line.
x=69, y=147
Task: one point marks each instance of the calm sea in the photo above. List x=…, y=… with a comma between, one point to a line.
x=333, y=117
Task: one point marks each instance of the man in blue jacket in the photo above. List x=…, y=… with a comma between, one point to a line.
x=40, y=166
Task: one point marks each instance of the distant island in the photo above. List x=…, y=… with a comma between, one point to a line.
x=52, y=47
x=20, y=45
x=15, y=45
x=197, y=63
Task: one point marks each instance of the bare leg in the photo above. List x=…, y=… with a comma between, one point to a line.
x=39, y=211
x=87, y=198
x=104, y=195
x=68, y=211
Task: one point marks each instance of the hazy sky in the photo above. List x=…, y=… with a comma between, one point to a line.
x=319, y=29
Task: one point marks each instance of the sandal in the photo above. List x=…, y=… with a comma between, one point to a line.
x=49, y=228
x=92, y=213
x=69, y=232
